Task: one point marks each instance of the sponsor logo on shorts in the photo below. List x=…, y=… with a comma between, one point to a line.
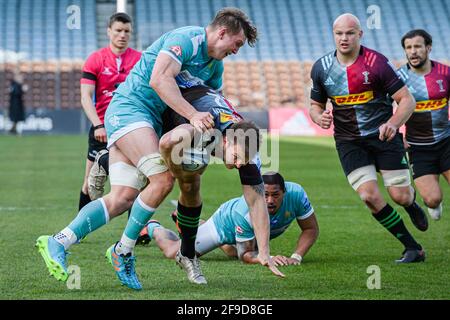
x=239, y=230
x=176, y=50
x=352, y=99
x=428, y=105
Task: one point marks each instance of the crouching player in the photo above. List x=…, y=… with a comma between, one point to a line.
x=230, y=227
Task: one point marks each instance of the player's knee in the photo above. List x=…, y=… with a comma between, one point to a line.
x=370, y=198
x=432, y=201
x=162, y=183
x=403, y=199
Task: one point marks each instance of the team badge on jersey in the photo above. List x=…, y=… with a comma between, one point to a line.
x=176, y=50
x=366, y=77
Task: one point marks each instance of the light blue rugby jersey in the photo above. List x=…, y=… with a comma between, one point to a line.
x=187, y=46
x=232, y=219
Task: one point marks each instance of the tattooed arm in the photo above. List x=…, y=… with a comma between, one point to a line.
x=247, y=252
x=254, y=196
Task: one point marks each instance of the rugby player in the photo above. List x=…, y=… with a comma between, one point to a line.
x=428, y=129
x=361, y=84
x=230, y=227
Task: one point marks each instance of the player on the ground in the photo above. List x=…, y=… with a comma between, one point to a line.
x=360, y=83
x=103, y=71
x=428, y=129
x=182, y=57
x=230, y=227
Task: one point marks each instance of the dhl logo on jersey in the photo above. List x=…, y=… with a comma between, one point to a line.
x=428, y=105
x=355, y=98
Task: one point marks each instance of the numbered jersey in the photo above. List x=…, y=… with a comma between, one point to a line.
x=429, y=123
x=360, y=93
x=186, y=46
x=233, y=223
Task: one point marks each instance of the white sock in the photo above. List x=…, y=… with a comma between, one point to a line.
x=435, y=213
x=66, y=237
x=125, y=245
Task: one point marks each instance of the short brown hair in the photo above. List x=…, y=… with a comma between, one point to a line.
x=246, y=132
x=235, y=20
x=120, y=17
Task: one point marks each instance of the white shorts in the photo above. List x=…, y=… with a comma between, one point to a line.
x=207, y=237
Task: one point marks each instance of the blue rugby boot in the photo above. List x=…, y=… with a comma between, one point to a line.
x=124, y=267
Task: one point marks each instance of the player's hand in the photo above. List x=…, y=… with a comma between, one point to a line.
x=268, y=261
x=387, y=131
x=202, y=121
x=100, y=135
x=326, y=119
x=292, y=261
x=280, y=260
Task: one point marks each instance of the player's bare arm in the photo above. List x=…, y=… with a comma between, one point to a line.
x=406, y=104
x=87, y=92
x=319, y=115
x=308, y=236
x=163, y=82
x=254, y=196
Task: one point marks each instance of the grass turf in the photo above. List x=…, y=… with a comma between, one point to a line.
x=40, y=179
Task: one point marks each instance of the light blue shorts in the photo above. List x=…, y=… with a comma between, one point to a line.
x=125, y=115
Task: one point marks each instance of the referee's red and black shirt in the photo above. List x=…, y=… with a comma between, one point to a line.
x=106, y=71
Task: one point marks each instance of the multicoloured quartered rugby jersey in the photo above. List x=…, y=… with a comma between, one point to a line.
x=360, y=93
x=188, y=47
x=429, y=123
x=106, y=71
x=232, y=219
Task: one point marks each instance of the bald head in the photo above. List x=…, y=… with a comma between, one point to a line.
x=347, y=20
x=347, y=36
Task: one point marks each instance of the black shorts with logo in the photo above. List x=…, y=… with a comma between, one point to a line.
x=430, y=159
x=94, y=145
x=366, y=151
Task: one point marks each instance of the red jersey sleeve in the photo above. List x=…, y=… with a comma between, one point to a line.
x=90, y=70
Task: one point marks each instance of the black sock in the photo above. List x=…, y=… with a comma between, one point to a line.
x=391, y=220
x=187, y=221
x=84, y=200
x=104, y=162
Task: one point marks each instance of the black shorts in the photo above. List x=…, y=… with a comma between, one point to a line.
x=94, y=145
x=430, y=159
x=384, y=155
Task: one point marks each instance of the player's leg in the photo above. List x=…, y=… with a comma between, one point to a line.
x=358, y=165
x=91, y=217
x=431, y=193
x=140, y=146
x=166, y=240
x=94, y=147
x=98, y=174
x=393, y=165
x=84, y=193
